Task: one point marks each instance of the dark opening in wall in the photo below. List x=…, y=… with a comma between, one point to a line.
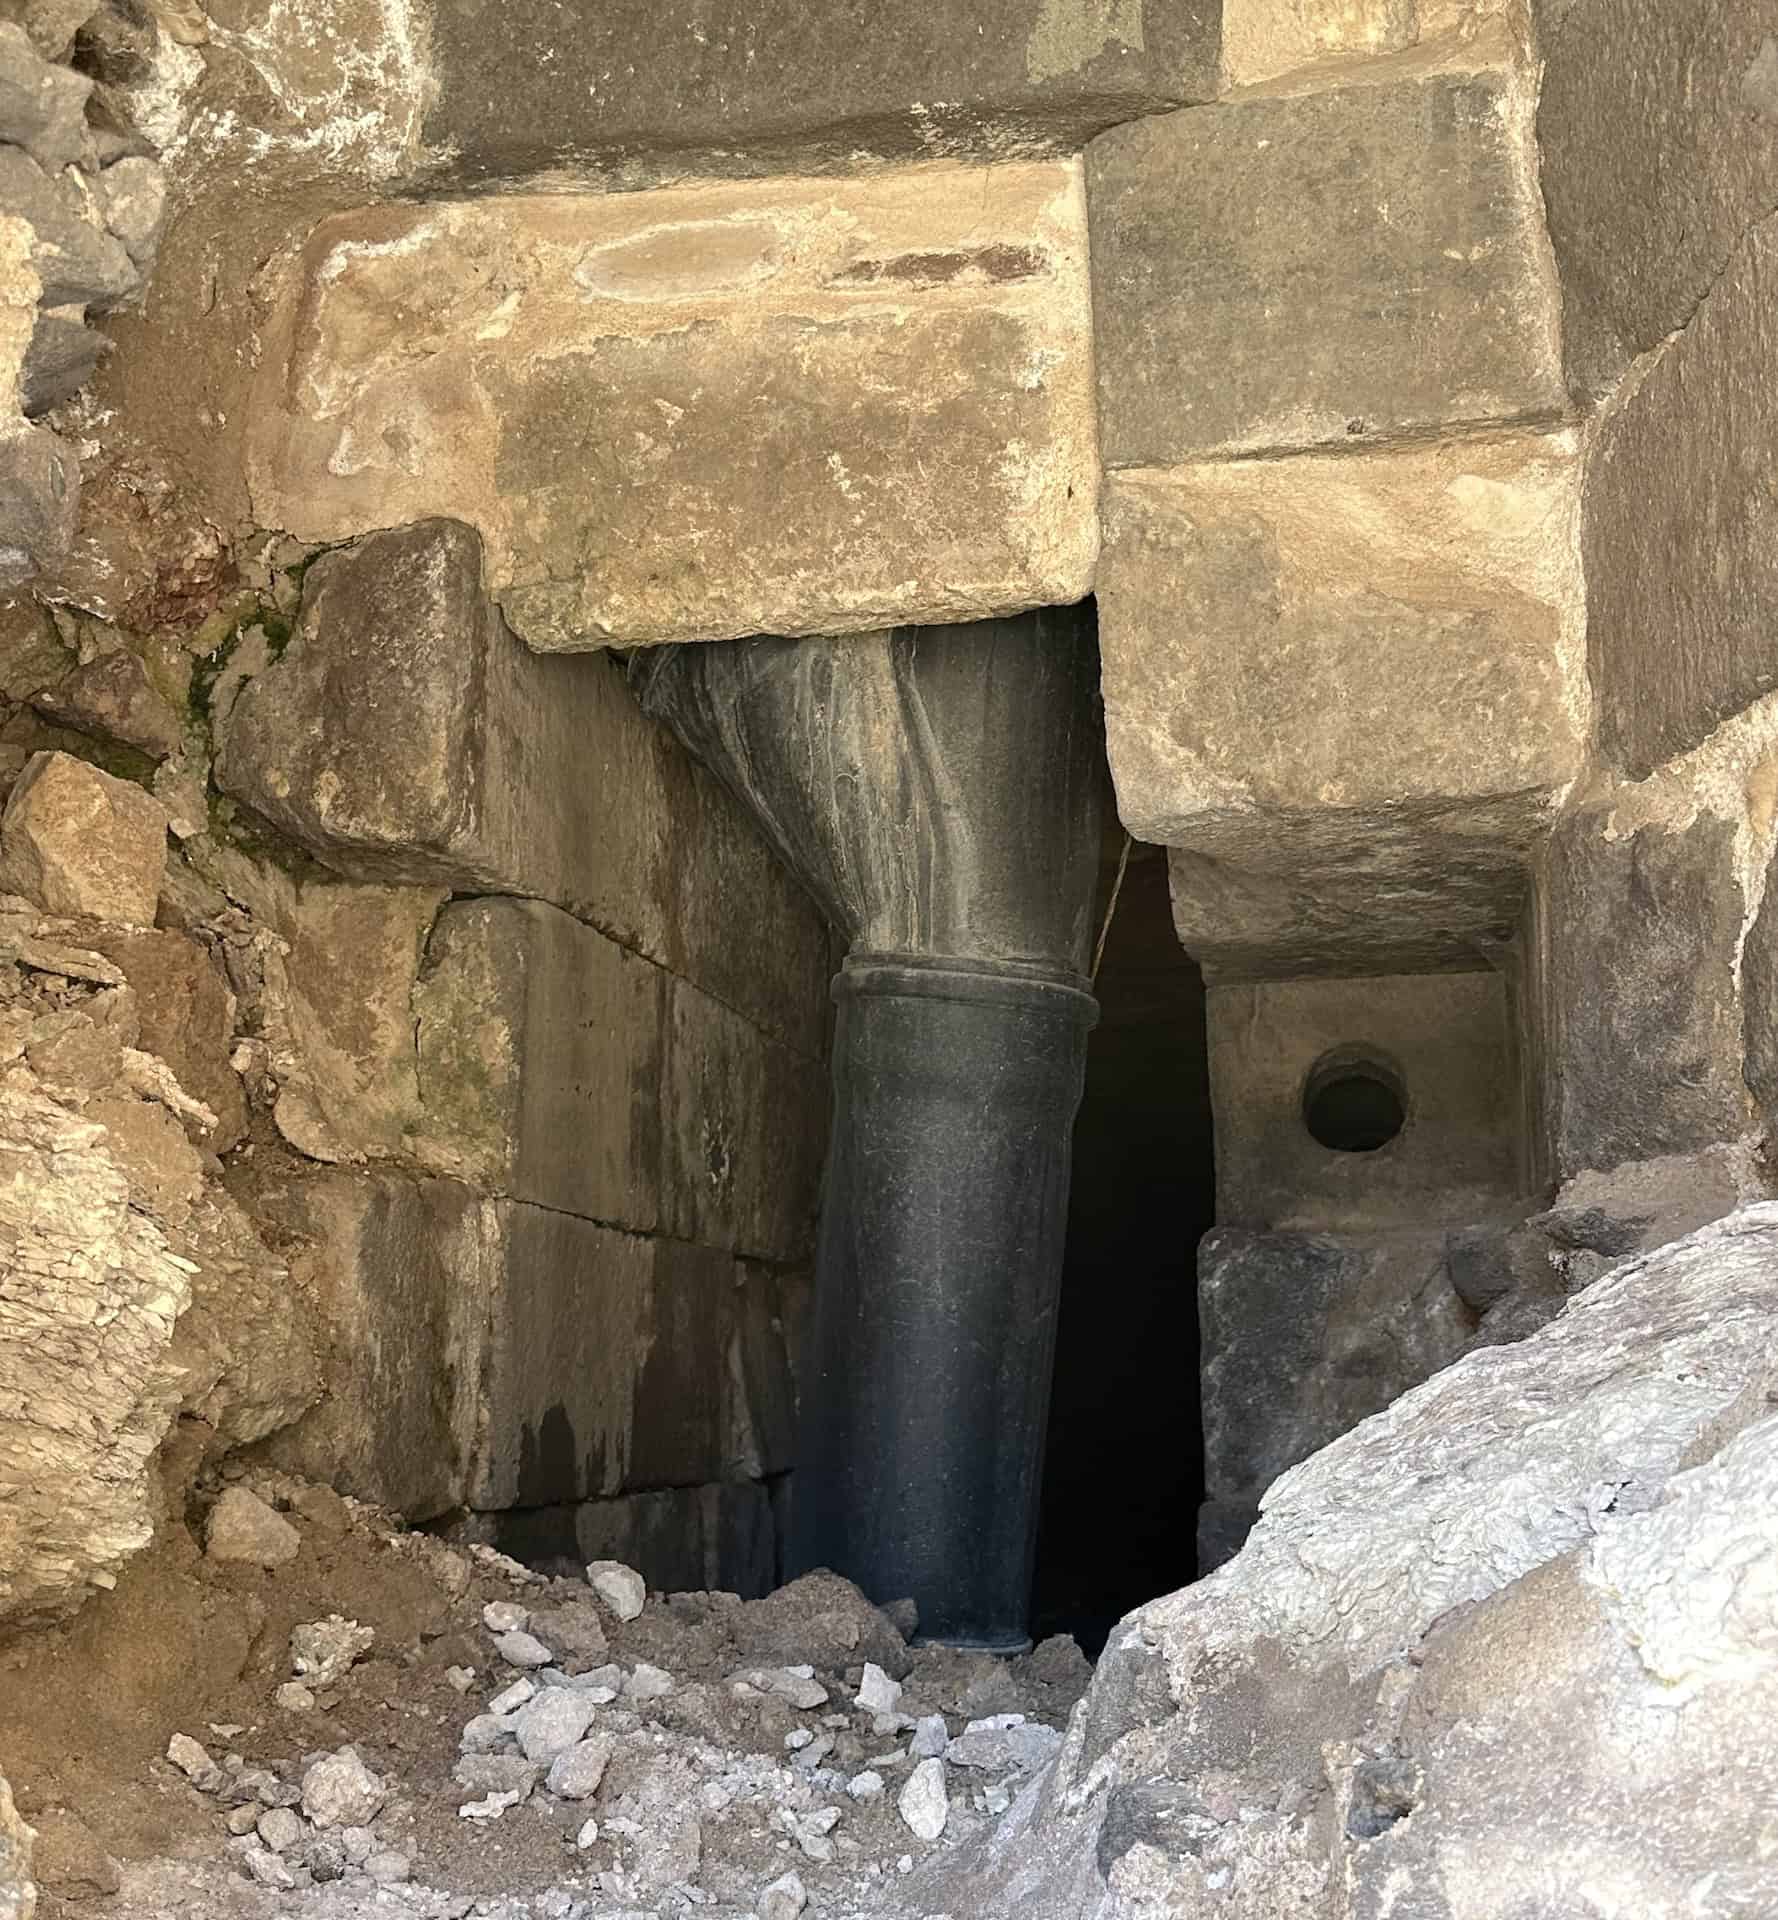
x=1354, y=1102
x=1124, y=1469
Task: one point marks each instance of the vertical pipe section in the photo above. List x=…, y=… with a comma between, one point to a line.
x=938, y=789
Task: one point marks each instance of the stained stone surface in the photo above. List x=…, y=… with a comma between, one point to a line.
x=645, y=87
x=796, y=407
x=1238, y=251
x=1643, y=1020
x=76, y=840
x=1681, y=522
x=1658, y=129
x=1348, y=691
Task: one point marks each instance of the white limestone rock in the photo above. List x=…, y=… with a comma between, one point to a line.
x=622, y=1588
x=925, y=1805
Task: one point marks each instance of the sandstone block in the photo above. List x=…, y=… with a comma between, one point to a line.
x=777, y=87
x=1658, y=127
x=1641, y=1042
x=396, y=1267
x=805, y=408
x=1680, y=531
x=405, y=735
x=540, y=1055
x=77, y=841
x=243, y=1528
x=1347, y=692
x=1304, y=1335
x=1443, y=1040
x=727, y=1179
x=1238, y=251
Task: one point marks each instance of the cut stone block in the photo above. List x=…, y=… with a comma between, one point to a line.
x=1348, y=692
x=1641, y=1028
x=792, y=407
x=78, y=841
x=1658, y=128
x=776, y=86
x=1306, y=1335
x=761, y=1373
x=1446, y=1041
x=1680, y=527
x=540, y=1046
x=1317, y=270
x=745, y=1129
x=396, y=1267
x=405, y=735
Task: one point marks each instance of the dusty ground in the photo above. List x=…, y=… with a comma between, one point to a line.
x=713, y=1791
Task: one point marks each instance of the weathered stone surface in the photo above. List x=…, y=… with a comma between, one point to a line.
x=709, y=411
x=242, y=1527
x=185, y=1014
x=1347, y=690
x=540, y=1060
x=77, y=841
x=1549, y=1597
x=406, y=735
x=726, y=1180
x=84, y=1413
x=1304, y=1335
x=1641, y=1048
x=775, y=87
x=760, y=1379
x=1238, y=253
x=76, y=260
x=18, y=1895
x=1680, y=530
x=1262, y=39
x=1759, y=994
x=42, y=104
x=395, y=1266
x=39, y=501
x=1446, y=1041
x=112, y=696
x=1658, y=128
x=62, y=357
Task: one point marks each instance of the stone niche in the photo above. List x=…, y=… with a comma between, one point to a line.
x=1367, y=1163
x=797, y=407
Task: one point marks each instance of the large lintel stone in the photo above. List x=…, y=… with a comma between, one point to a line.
x=1348, y=690
x=1320, y=270
x=639, y=87
x=800, y=407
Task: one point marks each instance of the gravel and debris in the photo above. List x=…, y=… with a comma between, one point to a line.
x=556, y=1749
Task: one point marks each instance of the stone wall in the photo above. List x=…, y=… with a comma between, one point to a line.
x=388, y=1060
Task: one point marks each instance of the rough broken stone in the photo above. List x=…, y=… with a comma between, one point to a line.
x=1678, y=562
x=666, y=318
x=576, y=1772
x=505, y=1616
x=42, y=103
x=192, y=1760
x=647, y=1683
x=522, y=1650
x=923, y=1802
x=268, y=1869
x=62, y=357
x=784, y=1899
x=877, y=1693
x=77, y=263
x=1251, y=237
x=322, y=1651
x=341, y=1791
x=279, y=1828
x=81, y=842
x=39, y=503
x=992, y=1749
x=294, y=1697
x=623, y=1588
x=242, y=1527
x=491, y=1805
x=510, y=1699
x=112, y=696
x=931, y=1737
x=389, y=1868
x=552, y=1723
x=790, y=92
x=1330, y=813
x=133, y=192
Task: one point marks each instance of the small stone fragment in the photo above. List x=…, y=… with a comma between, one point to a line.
x=357, y=1844
x=460, y=1678
x=195, y=1763
x=389, y=1868
x=485, y=1732
x=866, y=1786
x=588, y=1836
x=784, y=1899
x=552, y=1723
x=647, y=1683
x=522, y=1650
x=924, y=1804
x=877, y=1693
x=322, y=1651
x=495, y=1772
x=242, y=1820
x=576, y=1773
x=341, y=1791
x=510, y=1699
x=622, y=1588
x=931, y=1737
x=505, y=1616
x=279, y=1828
x=268, y=1869
x=242, y=1528
x=490, y=1808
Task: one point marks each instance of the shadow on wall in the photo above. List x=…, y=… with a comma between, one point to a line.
x=1124, y=1471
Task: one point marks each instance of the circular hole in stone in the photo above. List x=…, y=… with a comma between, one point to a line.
x=1354, y=1102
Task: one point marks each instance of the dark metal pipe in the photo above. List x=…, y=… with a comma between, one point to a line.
x=938, y=789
